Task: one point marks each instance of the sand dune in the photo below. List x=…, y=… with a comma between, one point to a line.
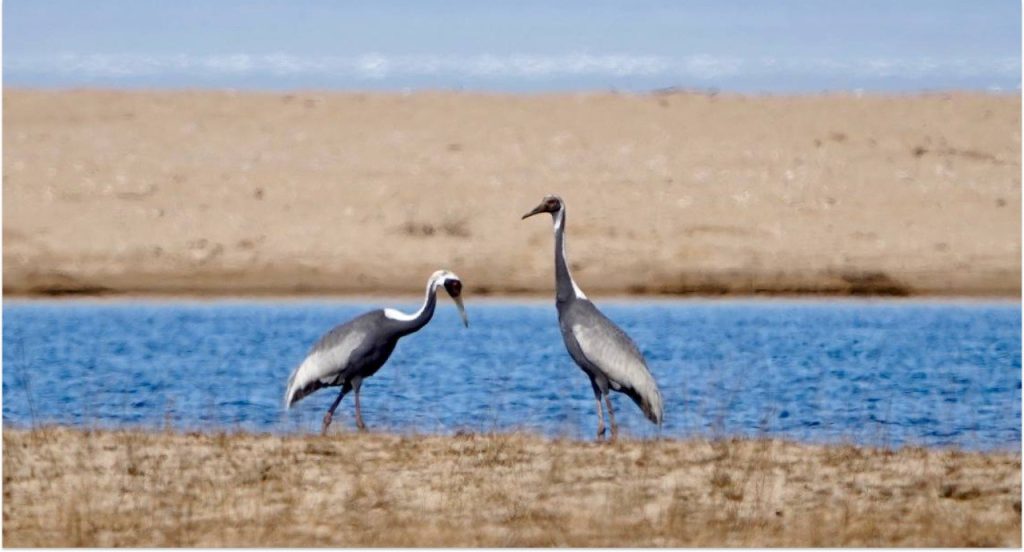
x=675, y=193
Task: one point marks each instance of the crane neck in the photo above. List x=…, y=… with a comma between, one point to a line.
x=565, y=287
x=409, y=323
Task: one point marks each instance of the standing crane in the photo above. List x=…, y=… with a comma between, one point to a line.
x=605, y=353
x=355, y=350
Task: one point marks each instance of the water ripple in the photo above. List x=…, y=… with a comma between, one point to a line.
x=869, y=372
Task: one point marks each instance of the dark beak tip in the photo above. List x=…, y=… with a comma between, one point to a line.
x=536, y=211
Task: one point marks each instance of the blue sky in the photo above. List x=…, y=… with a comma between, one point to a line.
x=742, y=45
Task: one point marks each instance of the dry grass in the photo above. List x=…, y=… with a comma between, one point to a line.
x=66, y=487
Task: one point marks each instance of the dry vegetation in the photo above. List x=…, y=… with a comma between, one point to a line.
x=66, y=487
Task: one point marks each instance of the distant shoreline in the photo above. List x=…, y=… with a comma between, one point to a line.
x=700, y=91
x=500, y=296
x=544, y=298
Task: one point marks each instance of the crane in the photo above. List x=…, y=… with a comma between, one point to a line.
x=602, y=350
x=355, y=350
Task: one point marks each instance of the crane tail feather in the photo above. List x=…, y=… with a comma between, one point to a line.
x=649, y=402
x=295, y=394
x=652, y=412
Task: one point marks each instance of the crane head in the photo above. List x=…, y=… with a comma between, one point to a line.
x=550, y=204
x=453, y=285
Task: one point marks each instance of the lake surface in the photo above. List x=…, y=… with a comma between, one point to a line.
x=887, y=373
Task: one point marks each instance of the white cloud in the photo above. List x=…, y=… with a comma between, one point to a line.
x=375, y=66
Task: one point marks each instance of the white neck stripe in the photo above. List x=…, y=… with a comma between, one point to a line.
x=559, y=220
x=400, y=316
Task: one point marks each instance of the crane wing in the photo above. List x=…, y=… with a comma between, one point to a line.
x=324, y=363
x=614, y=353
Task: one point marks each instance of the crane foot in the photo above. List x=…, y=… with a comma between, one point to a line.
x=327, y=422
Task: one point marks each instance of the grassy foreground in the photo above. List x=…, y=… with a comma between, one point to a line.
x=65, y=487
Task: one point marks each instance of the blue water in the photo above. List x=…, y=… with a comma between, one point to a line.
x=888, y=373
x=514, y=46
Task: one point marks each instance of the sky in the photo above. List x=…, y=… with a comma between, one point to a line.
x=737, y=45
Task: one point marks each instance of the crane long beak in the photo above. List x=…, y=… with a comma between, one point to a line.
x=536, y=210
x=462, y=310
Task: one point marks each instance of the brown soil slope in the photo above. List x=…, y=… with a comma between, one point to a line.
x=222, y=192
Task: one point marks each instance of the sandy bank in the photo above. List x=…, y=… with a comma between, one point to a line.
x=241, y=193
x=71, y=488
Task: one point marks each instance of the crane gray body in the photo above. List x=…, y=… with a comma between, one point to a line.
x=614, y=361
x=355, y=350
x=602, y=350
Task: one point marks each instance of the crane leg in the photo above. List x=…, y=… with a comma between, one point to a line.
x=611, y=416
x=600, y=414
x=330, y=411
x=359, y=411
